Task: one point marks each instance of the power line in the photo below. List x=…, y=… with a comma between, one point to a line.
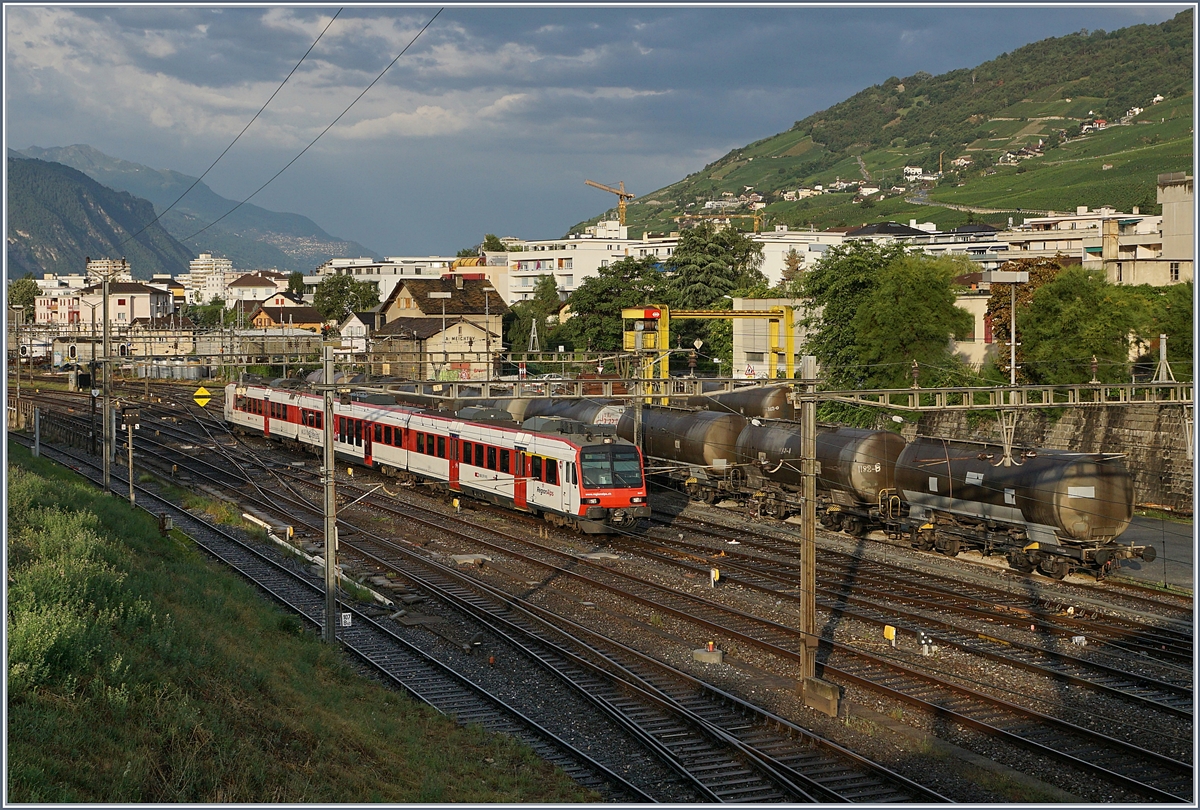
x=314, y=140
x=240, y=134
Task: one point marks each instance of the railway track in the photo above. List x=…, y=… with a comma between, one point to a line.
x=1154, y=769
x=378, y=646
x=1168, y=637
x=773, y=763
x=1125, y=764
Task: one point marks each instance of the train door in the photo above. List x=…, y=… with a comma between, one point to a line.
x=454, y=445
x=569, y=479
x=368, y=440
x=454, y=454
x=520, y=479
x=266, y=412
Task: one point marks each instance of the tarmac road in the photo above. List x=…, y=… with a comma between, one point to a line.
x=1175, y=544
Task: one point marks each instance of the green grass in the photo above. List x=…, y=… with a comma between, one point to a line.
x=139, y=671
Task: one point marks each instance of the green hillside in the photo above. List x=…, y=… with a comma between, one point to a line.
x=1039, y=94
x=58, y=216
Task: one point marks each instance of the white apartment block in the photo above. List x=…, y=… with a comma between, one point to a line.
x=207, y=278
x=385, y=273
x=581, y=256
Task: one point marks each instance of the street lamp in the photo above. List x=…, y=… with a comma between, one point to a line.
x=443, y=296
x=1012, y=278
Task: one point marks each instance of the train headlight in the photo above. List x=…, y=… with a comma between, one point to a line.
x=590, y=500
x=637, y=500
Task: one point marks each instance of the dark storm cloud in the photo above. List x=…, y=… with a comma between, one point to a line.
x=493, y=119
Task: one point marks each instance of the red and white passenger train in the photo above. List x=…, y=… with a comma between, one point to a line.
x=571, y=474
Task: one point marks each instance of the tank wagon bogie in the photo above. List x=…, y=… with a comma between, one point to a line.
x=571, y=474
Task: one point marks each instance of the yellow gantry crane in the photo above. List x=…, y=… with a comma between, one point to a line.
x=622, y=196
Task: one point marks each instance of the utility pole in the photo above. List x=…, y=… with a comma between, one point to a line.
x=330, y=633
x=487, y=326
x=817, y=693
x=808, y=518
x=106, y=411
x=443, y=296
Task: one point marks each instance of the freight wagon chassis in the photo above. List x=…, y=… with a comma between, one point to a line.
x=950, y=535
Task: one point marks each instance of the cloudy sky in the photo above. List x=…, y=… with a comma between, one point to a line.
x=495, y=116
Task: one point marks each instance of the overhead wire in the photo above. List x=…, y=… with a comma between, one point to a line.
x=240, y=134
x=331, y=125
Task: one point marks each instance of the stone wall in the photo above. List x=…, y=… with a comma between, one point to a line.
x=1152, y=438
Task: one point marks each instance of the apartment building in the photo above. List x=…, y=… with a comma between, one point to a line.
x=385, y=273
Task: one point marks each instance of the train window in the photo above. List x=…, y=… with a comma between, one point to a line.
x=387, y=434
x=551, y=471
x=358, y=431
x=441, y=446
x=479, y=455
x=420, y=442
x=491, y=458
x=535, y=467
x=430, y=447
x=466, y=455
x=596, y=468
x=320, y=419
x=627, y=467
x=398, y=437
x=505, y=455
x=378, y=433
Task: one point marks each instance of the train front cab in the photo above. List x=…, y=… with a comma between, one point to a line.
x=611, y=487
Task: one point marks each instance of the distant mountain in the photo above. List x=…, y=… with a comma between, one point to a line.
x=58, y=216
x=1026, y=98
x=252, y=237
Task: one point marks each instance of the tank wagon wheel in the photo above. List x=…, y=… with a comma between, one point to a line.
x=832, y=521
x=708, y=496
x=922, y=540
x=1020, y=562
x=951, y=547
x=1054, y=568
x=853, y=526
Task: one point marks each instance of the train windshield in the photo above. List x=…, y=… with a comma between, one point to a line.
x=613, y=466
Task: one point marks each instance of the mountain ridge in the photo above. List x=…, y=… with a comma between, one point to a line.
x=252, y=236
x=58, y=216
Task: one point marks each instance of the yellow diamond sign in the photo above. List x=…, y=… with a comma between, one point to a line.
x=202, y=396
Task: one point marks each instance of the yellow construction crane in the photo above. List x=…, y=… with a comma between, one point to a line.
x=622, y=196
x=756, y=216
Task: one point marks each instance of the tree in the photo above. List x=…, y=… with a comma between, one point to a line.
x=1174, y=317
x=542, y=309
x=910, y=314
x=492, y=244
x=836, y=287
x=24, y=292
x=338, y=296
x=210, y=314
x=296, y=283
x=467, y=252
x=1074, y=316
x=596, y=305
x=1000, y=303
x=708, y=264
x=792, y=263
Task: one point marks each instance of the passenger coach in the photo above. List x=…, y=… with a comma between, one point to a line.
x=574, y=475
